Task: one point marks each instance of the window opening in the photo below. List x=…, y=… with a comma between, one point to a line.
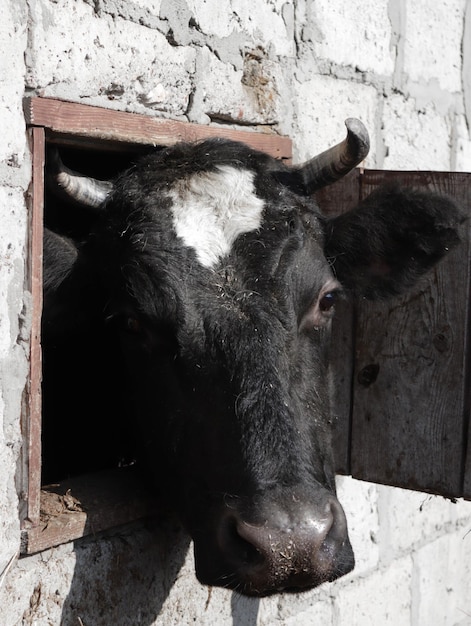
x=78, y=477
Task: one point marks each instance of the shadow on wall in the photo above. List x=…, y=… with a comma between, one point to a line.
x=244, y=610
x=126, y=577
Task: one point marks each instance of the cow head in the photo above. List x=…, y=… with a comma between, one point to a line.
x=219, y=276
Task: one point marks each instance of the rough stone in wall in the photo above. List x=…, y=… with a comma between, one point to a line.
x=251, y=95
x=116, y=54
x=75, y=54
x=231, y=63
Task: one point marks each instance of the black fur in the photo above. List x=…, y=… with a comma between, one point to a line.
x=213, y=368
x=391, y=239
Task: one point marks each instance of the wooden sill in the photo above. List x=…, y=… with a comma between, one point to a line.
x=87, y=505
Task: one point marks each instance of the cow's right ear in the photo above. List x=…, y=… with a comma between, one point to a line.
x=384, y=245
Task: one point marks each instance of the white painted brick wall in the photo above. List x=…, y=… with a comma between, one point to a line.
x=299, y=68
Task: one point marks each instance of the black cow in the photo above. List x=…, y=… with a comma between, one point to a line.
x=207, y=286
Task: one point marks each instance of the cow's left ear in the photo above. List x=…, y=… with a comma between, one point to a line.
x=384, y=245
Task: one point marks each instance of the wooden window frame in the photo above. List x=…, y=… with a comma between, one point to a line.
x=93, y=503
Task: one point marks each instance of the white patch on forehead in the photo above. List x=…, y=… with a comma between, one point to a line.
x=211, y=209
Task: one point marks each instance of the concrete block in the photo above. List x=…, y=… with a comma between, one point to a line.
x=15, y=314
x=12, y=264
x=354, y=35
x=414, y=139
x=408, y=519
x=383, y=597
x=35, y=591
x=322, y=105
x=461, y=156
x=432, y=42
x=317, y=613
x=311, y=608
x=264, y=24
x=250, y=95
x=13, y=40
x=360, y=502
x=442, y=581
x=460, y=513
x=73, y=55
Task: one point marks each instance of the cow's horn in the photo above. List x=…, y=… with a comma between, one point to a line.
x=335, y=162
x=83, y=189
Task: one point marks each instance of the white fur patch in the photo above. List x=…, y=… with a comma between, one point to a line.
x=211, y=209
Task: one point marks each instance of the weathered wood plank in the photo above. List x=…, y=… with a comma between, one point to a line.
x=31, y=421
x=88, y=505
x=105, y=124
x=410, y=386
x=335, y=199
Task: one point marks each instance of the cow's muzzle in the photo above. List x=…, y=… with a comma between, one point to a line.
x=287, y=545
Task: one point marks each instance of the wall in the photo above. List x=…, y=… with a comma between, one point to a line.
x=296, y=68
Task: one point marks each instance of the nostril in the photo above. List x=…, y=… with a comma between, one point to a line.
x=335, y=556
x=337, y=530
x=239, y=549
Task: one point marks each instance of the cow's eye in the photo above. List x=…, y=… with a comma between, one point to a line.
x=323, y=308
x=327, y=301
x=133, y=325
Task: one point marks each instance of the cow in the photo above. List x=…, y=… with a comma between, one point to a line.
x=206, y=285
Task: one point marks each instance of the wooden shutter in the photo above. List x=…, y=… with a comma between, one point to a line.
x=408, y=420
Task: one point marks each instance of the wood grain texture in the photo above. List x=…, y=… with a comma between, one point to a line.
x=105, y=124
x=31, y=421
x=333, y=200
x=88, y=505
x=410, y=379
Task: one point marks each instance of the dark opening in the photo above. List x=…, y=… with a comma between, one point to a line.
x=85, y=421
